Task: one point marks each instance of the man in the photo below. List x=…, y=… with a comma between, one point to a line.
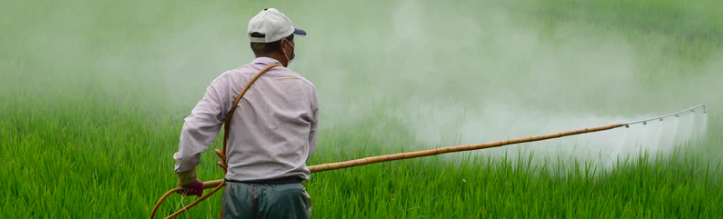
x=272, y=131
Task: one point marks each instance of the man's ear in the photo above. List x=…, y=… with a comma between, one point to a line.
x=286, y=43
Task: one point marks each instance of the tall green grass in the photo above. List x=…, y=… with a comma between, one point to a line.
x=106, y=167
x=77, y=143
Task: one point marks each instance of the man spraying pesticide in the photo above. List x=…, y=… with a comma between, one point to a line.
x=273, y=134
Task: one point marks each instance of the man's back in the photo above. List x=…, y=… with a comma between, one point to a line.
x=272, y=132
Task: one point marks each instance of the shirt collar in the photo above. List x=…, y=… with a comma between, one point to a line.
x=265, y=61
x=269, y=61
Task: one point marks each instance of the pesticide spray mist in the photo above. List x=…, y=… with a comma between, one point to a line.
x=474, y=75
x=604, y=149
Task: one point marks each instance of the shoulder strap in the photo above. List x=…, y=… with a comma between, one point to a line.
x=221, y=154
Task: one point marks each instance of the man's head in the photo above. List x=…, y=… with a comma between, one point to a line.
x=272, y=35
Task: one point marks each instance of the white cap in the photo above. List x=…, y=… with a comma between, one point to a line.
x=273, y=24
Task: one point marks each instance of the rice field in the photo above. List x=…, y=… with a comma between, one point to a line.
x=93, y=96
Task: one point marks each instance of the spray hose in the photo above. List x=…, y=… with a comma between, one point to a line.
x=218, y=184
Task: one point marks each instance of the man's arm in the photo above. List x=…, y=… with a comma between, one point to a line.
x=314, y=124
x=201, y=128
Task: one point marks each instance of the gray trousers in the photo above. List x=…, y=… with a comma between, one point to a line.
x=262, y=201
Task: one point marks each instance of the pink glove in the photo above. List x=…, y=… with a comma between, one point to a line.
x=194, y=188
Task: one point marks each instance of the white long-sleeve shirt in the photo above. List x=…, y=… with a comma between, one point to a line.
x=273, y=130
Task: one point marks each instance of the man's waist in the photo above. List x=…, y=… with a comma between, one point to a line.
x=281, y=180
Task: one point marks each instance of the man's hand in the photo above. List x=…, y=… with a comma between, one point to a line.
x=190, y=183
x=193, y=188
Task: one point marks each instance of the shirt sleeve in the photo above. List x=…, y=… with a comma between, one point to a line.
x=314, y=124
x=201, y=127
